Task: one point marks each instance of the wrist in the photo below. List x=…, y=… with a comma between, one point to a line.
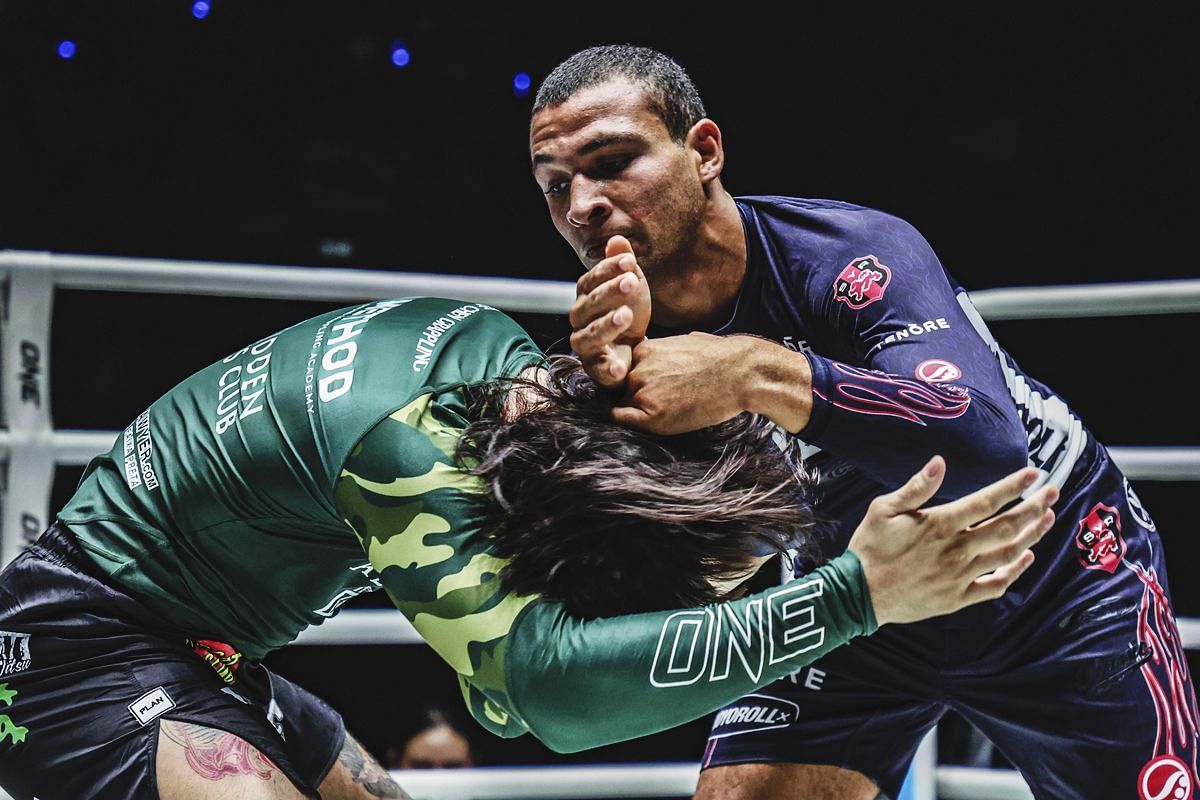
x=777, y=384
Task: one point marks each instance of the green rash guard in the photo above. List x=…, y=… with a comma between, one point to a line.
x=259, y=495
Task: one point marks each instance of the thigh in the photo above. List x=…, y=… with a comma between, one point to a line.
x=194, y=762
x=862, y=709
x=1108, y=728
x=81, y=707
x=1100, y=702
x=784, y=782
x=1112, y=713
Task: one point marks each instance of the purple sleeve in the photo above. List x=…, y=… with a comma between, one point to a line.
x=922, y=381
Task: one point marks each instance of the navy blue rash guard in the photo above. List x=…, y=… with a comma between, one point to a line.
x=903, y=365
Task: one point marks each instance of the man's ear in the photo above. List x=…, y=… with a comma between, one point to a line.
x=704, y=143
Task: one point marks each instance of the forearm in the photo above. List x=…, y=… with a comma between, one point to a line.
x=888, y=425
x=581, y=684
x=775, y=382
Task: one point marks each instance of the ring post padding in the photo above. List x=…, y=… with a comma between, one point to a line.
x=25, y=357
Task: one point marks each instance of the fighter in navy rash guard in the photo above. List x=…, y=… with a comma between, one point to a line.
x=1077, y=674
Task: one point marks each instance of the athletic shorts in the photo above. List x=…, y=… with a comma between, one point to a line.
x=1077, y=675
x=87, y=673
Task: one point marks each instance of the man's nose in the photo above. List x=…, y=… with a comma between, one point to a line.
x=588, y=204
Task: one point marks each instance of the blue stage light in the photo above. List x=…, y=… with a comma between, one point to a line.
x=521, y=84
x=200, y=9
x=401, y=56
x=66, y=49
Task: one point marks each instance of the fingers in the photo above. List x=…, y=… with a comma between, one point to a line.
x=633, y=417
x=605, y=362
x=616, y=246
x=1028, y=535
x=608, y=296
x=985, y=502
x=992, y=586
x=1002, y=527
x=919, y=489
x=604, y=271
x=592, y=341
x=1020, y=528
x=613, y=371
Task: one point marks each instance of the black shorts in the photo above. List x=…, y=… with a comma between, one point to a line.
x=87, y=672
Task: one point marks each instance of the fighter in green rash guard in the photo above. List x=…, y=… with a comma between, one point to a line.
x=259, y=495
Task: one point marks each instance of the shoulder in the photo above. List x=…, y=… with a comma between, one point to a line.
x=825, y=215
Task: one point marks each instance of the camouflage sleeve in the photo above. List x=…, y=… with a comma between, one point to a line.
x=581, y=684
x=412, y=509
x=523, y=663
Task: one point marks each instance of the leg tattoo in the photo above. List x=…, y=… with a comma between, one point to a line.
x=213, y=754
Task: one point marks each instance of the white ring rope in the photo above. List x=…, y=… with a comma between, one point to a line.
x=31, y=446
x=593, y=780
x=108, y=273
x=100, y=273
x=75, y=447
x=658, y=780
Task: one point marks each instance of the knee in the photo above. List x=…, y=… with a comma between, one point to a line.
x=781, y=781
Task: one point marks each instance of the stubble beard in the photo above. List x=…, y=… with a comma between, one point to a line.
x=672, y=256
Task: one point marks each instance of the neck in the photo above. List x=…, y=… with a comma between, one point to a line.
x=702, y=291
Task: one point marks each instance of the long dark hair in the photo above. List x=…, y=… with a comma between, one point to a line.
x=613, y=520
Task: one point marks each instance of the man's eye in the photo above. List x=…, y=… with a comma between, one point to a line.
x=556, y=189
x=611, y=166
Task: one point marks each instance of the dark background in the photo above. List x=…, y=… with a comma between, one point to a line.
x=1031, y=145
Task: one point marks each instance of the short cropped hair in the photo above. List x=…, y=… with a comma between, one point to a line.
x=672, y=95
x=611, y=520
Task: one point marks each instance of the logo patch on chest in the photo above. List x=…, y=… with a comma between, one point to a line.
x=1099, y=539
x=862, y=282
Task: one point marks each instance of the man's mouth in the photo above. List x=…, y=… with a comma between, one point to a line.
x=594, y=251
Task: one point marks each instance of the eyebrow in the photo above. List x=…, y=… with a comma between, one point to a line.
x=594, y=145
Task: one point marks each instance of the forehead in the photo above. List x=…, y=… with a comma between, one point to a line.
x=607, y=109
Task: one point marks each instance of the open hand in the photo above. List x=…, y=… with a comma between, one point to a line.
x=922, y=563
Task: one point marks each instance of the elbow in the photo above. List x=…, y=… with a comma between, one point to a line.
x=565, y=735
x=984, y=459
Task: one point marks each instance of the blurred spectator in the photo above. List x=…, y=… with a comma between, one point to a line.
x=436, y=741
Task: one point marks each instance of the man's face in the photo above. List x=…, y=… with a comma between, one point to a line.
x=608, y=166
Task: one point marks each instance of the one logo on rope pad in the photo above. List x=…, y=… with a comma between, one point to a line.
x=1099, y=539
x=755, y=712
x=862, y=282
x=1165, y=778
x=31, y=361
x=938, y=370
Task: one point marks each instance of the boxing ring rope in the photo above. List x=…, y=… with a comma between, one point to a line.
x=30, y=448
